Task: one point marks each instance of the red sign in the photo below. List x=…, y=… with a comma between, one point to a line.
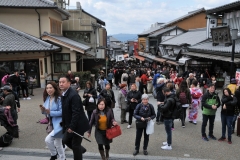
x=135, y=48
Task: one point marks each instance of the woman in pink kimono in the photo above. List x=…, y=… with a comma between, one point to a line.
x=196, y=94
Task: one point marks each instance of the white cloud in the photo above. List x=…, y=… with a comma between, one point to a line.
x=133, y=16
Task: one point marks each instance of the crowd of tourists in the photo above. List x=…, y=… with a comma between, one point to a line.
x=68, y=121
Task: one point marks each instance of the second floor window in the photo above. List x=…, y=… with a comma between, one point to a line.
x=55, y=27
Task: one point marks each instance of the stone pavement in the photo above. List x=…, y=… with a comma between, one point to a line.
x=187, y=142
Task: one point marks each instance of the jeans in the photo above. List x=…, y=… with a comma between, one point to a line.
x=234, y=122
x=158, y=114
x=24, y=88
x=168, y=128
x=138, y=138
x=130, y=116
x=73, y=142
x=226, y=121
x=55, y=146
x=211, y=119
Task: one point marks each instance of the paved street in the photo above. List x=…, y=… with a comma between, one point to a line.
x=187, y=142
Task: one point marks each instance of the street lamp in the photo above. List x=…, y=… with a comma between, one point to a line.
x=234, y=37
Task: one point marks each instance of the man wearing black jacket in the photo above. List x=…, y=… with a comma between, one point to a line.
x=167, y=109
x=73, y=118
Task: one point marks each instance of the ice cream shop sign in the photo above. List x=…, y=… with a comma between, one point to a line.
x=221, y=35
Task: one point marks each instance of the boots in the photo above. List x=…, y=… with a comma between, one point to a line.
x=54, y=157
x=107, y=154
x=102, y=154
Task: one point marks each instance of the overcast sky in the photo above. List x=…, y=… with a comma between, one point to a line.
x=135, y=16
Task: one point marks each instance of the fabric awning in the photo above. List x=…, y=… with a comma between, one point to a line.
x=139, y=57
x=212, y=56
x=160, y=60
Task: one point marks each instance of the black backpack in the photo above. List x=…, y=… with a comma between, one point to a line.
x=177, y=110
x=125, y=78
x=5, y=140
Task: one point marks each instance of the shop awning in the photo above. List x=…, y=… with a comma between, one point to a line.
x=160, y=60
x=172, y=62
x=139, y=57
x=212, y=56
x=183, y=60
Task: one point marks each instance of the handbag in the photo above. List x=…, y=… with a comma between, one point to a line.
x=112, y=104
x=141, y=124
x=113, y=132
x=50, y=125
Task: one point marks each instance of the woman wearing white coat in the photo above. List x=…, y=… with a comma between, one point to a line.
x=53, y=108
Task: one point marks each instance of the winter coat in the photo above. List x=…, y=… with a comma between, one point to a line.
x=189, y=81
x=56, y=116
x=230, y=102
x=124, y=75
x=167, y=108
x=140, y=111
x=73, y=115
x=9, y=100
x=122, y=100
x=144, y=79
x=160, y=95
x=110, y=98
x=95, y=117
x=136, y=95
x=207, y=104
x=89, y=105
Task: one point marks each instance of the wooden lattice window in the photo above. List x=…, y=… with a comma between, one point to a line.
x=55, y=26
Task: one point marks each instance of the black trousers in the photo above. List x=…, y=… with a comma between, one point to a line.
x=24, y=88
x=139, y=132
x=89, y=113
x=73, y=142
x=144, y=87
x=211, y=119
x=130, y=116
x=183, y=115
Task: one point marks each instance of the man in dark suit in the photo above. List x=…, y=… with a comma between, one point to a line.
x=73, y=118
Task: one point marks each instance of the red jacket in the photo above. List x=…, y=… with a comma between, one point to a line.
x=144, y=79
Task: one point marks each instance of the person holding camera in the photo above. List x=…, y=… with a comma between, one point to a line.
x=143, y=113
x=133, y=99
x=166, y=111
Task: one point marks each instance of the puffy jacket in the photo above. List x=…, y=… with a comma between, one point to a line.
x=90, y=106
x=136, y=95
x=140, y=111
x=167, y=108
x=230, y=103
x=207, y=102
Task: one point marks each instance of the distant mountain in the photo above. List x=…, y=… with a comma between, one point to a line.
x=125, y=37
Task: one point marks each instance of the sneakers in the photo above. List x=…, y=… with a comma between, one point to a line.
x=183, y=126
x=205, y=138
x=221, y=139
x=167, y=147
x=164, y=143
x=28, y=98
x=172, y=129
x=229, y=142
x=212, y=137
x=129, y=126
x=24, y=98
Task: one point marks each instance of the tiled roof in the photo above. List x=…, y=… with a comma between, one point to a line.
x=164, y=30
x=151, y=30
x=98, y=20
x=31, y=4
x=191, y=37
x=230, y=6
x=68, y=41
x=114, y=46
x=184, y=17
x=206, y=46
x=13, y=40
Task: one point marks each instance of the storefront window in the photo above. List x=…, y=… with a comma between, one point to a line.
x=60, y=65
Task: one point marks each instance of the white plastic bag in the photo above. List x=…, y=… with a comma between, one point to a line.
x=91, y=100
x=150, y=127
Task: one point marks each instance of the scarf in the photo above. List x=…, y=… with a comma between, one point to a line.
x=124, y=92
